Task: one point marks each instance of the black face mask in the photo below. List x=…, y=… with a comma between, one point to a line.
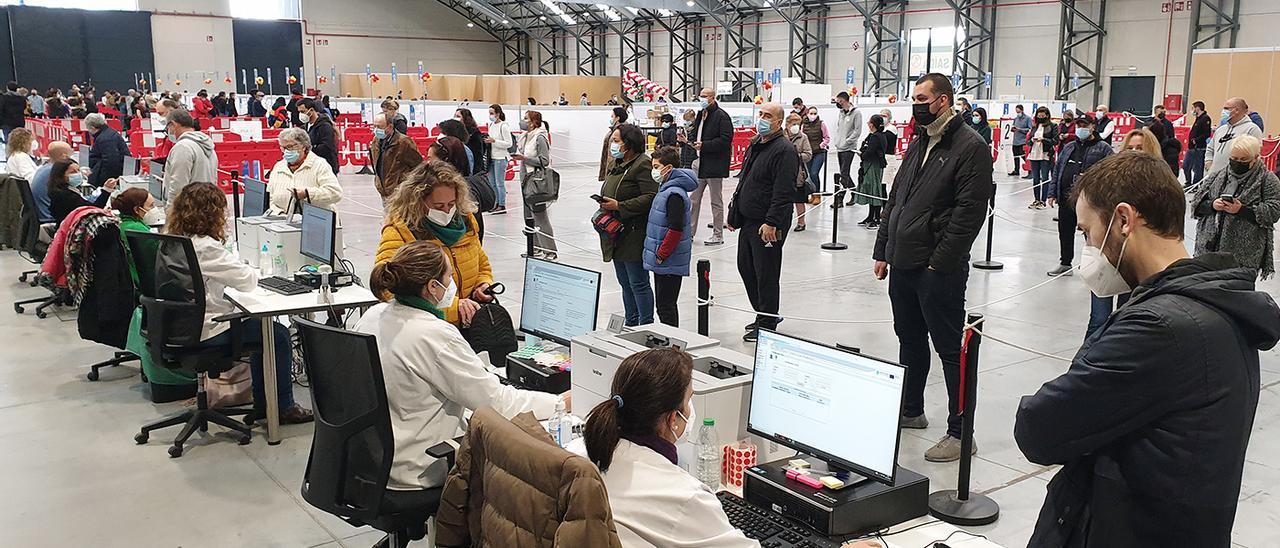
x=1042, y=119
x=1240, y=168
x=921, y=113
x=1160, y=116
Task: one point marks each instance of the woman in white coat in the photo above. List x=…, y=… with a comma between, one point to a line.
x=301, y=176
x=19, y=162
x=500, y=142
x=431, y=374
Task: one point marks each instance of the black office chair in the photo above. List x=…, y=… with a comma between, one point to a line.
x=353, y=446
x=32, y=248
x=172, y=317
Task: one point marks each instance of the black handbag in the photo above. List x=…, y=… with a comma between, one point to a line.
x=492, y=329
x=482, y=193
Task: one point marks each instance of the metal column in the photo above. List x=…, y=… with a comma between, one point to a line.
x=807, y=38
x=975, y=55
x=515, y=51
x=883, y=57
x=1215, y=21
x=740, y=20
x=1080, y=39
x=685, y=33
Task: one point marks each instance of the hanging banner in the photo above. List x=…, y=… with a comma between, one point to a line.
x=333, y=73
x=393, y=73
x=848, y=77
x=1046, y=80
x=955, y=80
x=777, y=76
x=302, y=77
x=986, y=80
x=759, y=77
x=368, y=72
x=1017, y=80
x=421, y=69
x=1075, y=80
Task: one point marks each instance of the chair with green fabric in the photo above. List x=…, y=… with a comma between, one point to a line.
x=166, y=384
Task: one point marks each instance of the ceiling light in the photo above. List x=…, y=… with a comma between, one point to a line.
x=504, y=21
x=689, y=3
x=633, y=10
x=471, y=25
x=542, y=18
x=568, y=19
x=664, y=13
x=601, y=7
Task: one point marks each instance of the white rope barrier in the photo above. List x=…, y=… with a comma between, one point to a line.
x=1051, y=279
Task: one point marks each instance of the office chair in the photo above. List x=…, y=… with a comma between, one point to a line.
x=32, y=248
x=353, y=446
x=172, y=317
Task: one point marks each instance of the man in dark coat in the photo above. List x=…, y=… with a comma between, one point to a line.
x=13, y=108
x=937, y=206
x=761, y=208
x=256, y=108
x=1152, y=419
x=106, y=156
x=1197, y=140
x=324, y=137
x=712, y=140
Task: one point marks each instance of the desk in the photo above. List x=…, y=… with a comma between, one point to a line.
x=267, y=305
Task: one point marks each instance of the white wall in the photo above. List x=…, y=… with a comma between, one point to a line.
x=189, y=45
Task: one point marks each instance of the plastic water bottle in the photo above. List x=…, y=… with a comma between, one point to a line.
x=709, y=455
x=281, y=267
x=560, y=426
x=265, y=262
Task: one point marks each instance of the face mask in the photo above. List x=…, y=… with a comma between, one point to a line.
x=1160, y=116
x=1100, y=114
x=1240, y=168
x=1098, y=273
x=154, y=216
x=304, y=118
x=380, y=133
x=922, y=114
x=795, y=129
x=703, y=103
x=441, y=218
x=976, y=119
x=524, y=125
x=813, y=117
x=75, y=179
x=450, y=291
x=687, y=435
x=292, y=156
x=1226, y=116
x=1083, y=133
x=615, y=150
x=1042, y=119
x=493, y=119
x=170, y=136
x=657, y=174
x=763, y=127
x=666, y=125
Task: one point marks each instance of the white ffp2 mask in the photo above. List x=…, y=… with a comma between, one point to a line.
x=1102, y=277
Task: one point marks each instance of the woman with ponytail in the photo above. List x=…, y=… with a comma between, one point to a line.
x=632, y=438
x=432, y=375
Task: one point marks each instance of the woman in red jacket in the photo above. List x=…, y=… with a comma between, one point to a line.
x=202, y=105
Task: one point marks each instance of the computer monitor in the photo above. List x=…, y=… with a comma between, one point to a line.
x=155, y=185
x=82, y=156
x=156, y=169
x=834, y=404
x=130, y=165
x=255, y=197
x=560, y=301
x=318, y=228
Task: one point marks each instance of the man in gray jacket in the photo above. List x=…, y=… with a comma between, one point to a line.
x=1019, y=130
x=192, y=159
x=848, y=131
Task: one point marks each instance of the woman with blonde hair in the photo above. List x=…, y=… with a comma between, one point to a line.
x=433, y=204
x=19, y=162
x=1142, y=140
x=1236, y=209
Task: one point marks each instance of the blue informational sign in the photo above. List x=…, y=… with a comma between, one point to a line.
x=777, y=76
x=1075, y=80
x=302, y=76
x=420, y=69
x=1046, y=80
x=333, y=73
x=1006, y=109
x=759, y=77
x=986, y=80
x=393, y=72
x=955, y=80
x=1017, y=81
x=848, y=77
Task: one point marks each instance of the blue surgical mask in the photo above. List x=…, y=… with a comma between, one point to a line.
x=1226, y=116
x=763, y=127
x=379, y=133
x=291, y=156
x=666, y=125
x=493, y=119
x=75, y=179
x=1083, y=133
x=703, y=103
x=657, y=174
x=615, y=150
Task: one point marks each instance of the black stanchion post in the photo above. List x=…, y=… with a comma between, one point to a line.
x=959, y=505
x=704, y=296
x=991, y=221
x=835, y=244
x=235, y=193
x=528, y=236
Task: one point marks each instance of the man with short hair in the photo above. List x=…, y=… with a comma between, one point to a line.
x=58, y=150
x=1152, y=419
x=1197, y=141
x=159, y=124
x=36, y=103
x=324, y=137
x=848, y=132
x=797, y=106
x=1105, y=126
x=256, y=108
x=1020, y=129
x=935, y=210
x=106, y=156
x=1075, y=159
x=392, y=154
x=13, y=109
x=964, y=108
x=1235, y=122
x=712, y=140
x=192, y=159
x=761, y=208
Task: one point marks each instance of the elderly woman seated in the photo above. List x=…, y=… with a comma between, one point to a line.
x=301, y=176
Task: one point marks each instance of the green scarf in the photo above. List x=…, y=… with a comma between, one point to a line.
x=420, y=304
x=449, y=234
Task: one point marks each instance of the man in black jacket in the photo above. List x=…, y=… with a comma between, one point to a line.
x=761, y=208
x=937, y=206
x=1197, y=140
x=12, y=110
x=324, y=137
x=1152, y=419
x=256, y=108
x=712, y=140
x=106, y=156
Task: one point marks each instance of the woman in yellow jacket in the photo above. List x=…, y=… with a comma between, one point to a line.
x=433, y=204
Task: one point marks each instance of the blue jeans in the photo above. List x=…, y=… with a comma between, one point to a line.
x=498, y=178
x=637, y=294
x=1193, y=166
x=1040, y=178
x=251, y=334
x=815, y=169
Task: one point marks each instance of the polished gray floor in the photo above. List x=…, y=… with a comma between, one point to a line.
x=73, y=476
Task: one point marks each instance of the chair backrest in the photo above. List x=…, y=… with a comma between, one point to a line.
x=353, y=446
x=30, y=237
x=172, y=290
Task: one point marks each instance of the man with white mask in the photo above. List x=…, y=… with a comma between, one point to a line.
x=1152, y=419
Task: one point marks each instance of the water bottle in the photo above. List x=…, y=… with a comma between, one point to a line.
x=709, y=455
x=560, y=426
x=264, y=262
x=281, y=267
x=326, y=294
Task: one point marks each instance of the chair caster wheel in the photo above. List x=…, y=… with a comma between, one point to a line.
x=18, y=308
x=141, y=439
x=41, y=314
x=244, y=440
x=175, y=451
x=22, y=278
x=92, y=375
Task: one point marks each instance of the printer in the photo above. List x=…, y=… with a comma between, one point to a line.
x=273, y=230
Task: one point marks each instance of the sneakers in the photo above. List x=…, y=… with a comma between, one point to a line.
x=1013, y=174
x=499, y=210
x=873, y=226
x=1037, y=204
x=947, y=450
x=751, y=336
x=919, y=422
x=799, y=228
x=749, y=327
x=715, y=240
x=1027, y=176
x=1062, y=270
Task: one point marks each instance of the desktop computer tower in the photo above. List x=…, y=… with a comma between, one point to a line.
x=854, y=510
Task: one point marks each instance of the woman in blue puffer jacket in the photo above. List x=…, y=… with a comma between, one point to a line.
x=668, y=240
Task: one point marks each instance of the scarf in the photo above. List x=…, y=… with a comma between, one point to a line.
x=657, y=444
x=420, y=304
x=450, y=233
x=1225, y=232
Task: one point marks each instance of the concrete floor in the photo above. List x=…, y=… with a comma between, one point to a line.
x=73, y=475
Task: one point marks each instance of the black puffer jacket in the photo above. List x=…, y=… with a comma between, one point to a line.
x=935, y=210
x=1153, y=417
x=766, y=184
x=717, y=142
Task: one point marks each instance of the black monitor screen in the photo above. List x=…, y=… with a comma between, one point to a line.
x=156, y=169
x=155, y=185
x=318, y=227
x=560, y=301
x=255, y=198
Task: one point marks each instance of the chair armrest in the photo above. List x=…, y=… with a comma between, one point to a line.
x=231, y=317
x=445, y=450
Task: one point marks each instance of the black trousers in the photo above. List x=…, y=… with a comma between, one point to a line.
x=1067, y=231
x=929, y=305
x=760, y=265
x=845, y=159
x=666, y=289
x=1019, y=151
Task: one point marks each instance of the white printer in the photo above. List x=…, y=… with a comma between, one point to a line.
x=253, y=232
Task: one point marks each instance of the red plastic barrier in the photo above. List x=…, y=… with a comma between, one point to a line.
x=741, y=140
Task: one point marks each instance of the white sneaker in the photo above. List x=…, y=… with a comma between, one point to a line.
x=715, y=240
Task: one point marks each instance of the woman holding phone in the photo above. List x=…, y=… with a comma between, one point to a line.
x=1236, y=209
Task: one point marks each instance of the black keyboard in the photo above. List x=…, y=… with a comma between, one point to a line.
x=283, y=286
x=770, y=528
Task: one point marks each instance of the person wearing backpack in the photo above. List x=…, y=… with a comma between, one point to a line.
x=668, y=237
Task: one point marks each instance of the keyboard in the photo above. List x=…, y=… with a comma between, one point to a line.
x=283, y=286
x=770, y=528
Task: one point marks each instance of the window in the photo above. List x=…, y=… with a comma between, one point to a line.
x=266, y=9
x=125, y=5
x=932, y=49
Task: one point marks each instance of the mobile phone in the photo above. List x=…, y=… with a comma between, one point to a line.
x=1227, y=198
x=597, y=197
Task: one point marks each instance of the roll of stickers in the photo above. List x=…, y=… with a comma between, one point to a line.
x=738, y=457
